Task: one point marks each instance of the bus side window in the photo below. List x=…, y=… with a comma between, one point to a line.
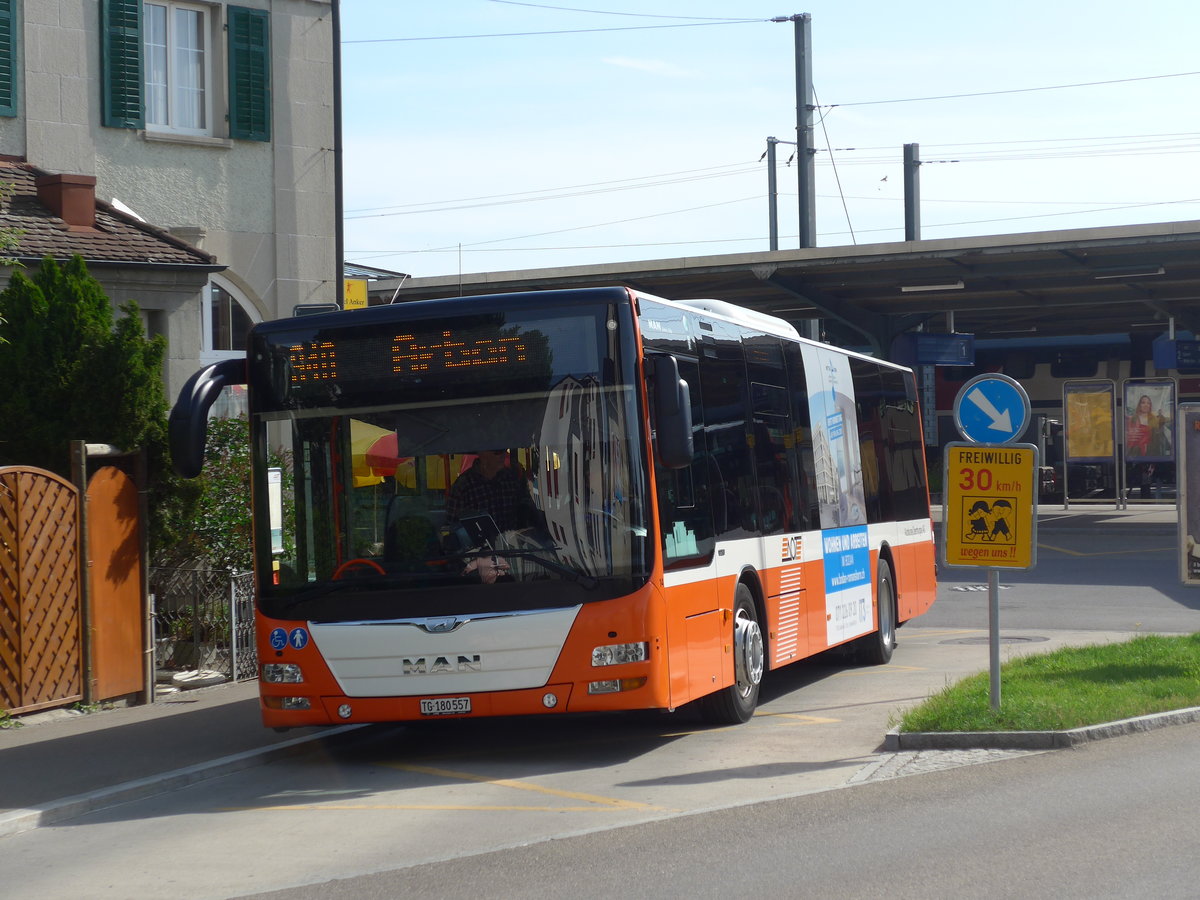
x=802, y=484
x=731, y=475
x=905, y=447
x=870, y=402
x=685, y=519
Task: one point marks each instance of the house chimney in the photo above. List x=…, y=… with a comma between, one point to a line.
x=70, y=197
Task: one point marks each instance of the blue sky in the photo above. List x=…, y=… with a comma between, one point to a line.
x=526, y=150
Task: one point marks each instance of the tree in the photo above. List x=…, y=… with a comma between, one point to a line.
x=9, y=239
x=75, y=371
x=221, y=532
x=72, y=371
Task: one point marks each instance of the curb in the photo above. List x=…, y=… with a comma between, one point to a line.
x=16, y=821
x=896, y=740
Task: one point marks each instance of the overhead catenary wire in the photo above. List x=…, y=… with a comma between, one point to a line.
x=1048, y=87
x=1135, y=147
x=611, y=12
x=555, y=193
x=478, y=247
x=506, y=34
x=836, y=177
x=835, y=158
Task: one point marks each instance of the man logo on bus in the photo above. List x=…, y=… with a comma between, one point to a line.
x=792, y=547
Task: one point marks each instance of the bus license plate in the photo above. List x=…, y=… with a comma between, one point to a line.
x=445, y=706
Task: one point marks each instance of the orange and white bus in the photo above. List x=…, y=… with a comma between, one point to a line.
x=693, y=496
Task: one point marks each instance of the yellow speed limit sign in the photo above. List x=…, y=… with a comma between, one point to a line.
x=990, y=505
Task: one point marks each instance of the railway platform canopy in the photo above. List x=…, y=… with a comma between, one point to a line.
x=1132, y=279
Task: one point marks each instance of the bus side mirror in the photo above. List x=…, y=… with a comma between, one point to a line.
x=187, y=427
x=672, y=414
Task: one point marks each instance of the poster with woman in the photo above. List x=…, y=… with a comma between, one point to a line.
x=1149, y=420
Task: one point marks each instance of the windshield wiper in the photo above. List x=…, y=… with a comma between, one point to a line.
x=586, y=581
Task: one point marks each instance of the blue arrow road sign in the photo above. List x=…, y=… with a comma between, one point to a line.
x=991, y=409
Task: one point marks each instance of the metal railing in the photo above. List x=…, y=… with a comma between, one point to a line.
x=204, y=621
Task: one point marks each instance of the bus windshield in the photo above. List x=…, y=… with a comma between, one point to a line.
x=434, y=462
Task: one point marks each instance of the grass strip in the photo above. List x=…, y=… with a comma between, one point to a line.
x=1071, y=688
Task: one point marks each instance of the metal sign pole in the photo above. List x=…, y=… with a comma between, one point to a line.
x=994, y=636
x=990, y=493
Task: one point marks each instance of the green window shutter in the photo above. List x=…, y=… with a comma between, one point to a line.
x=8, y=59
x=249, y=74
x=121, y=64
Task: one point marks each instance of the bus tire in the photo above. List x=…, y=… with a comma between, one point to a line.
x=876, y=648
x=735, y=704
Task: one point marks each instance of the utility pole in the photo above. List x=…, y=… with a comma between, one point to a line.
x=339, y=229
x=805, y=151
x=772, y=194
x=912, y=192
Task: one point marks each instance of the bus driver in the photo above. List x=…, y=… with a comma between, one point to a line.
x=494, y=488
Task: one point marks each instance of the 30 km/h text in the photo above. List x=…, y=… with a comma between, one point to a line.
x=983, y=480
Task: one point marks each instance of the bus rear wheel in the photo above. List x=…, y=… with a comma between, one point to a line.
x=876, y=648
x=735, y=704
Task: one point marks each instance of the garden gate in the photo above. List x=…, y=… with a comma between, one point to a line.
x=46, y=658
x=41, y=651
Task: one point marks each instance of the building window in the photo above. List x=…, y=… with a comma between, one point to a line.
x=8, y=59
x=157, y=61
x=226, y=317
x=228, y=322
x=177, y=67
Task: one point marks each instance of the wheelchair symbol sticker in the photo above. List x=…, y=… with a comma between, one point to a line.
x=278, y=638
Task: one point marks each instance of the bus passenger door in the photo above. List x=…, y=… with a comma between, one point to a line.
x=686, y=542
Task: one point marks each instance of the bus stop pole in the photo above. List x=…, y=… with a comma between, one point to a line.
x=994, y=636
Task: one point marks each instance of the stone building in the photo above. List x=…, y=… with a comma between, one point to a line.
x=206, y=128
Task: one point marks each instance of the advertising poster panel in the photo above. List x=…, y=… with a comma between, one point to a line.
x=1090, y=429
x=840, y=494
x=1189, y=496
x=1149, y=427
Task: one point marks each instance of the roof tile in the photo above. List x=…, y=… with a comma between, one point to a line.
x=117, y=238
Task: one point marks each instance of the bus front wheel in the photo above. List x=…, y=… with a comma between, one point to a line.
x=736, y=703
x=876, y=648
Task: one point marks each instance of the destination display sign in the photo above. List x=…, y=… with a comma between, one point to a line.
x=351, y=358
x=405, y=353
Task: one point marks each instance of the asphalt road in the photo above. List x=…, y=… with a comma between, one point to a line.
x=1087, y=580
x=801, y=801
x=1112, y=819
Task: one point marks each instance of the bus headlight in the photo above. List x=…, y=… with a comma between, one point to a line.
x=615, y=654
x=282, y=673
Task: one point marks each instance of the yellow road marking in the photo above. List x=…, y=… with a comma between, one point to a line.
x=1105, y=553
x=880, y=670
x=593, y=801
x=424, y=807
x=807, y=720
x=945, y=631
x=519, y=785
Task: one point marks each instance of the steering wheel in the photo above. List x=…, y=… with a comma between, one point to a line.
x=357, y=561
